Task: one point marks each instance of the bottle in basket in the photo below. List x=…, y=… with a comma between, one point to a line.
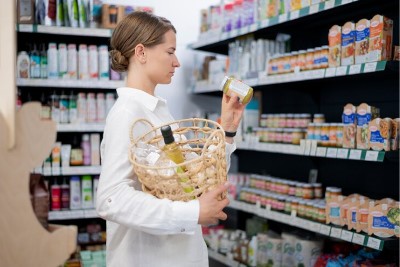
x=174, y=153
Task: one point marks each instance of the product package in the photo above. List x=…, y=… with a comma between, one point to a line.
x=335, y=45
x=365, y=114
x=381, y=38
x=348, y=43
x=349, y=126
x=362, y=41
x=384, y=220
x=379, y=133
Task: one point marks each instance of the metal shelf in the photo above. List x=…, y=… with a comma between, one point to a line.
x=90, y=32
x=61, y=83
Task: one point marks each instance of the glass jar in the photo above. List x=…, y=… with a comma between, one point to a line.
x=263, y=120
x=282, y=121
x=317, y=132
x=319, y=118
x=288, y=205
x=339, y=135
x=287, y=136
x=332, y=134
x=305, y=119
x=292, y=188
x=297, y=135
x=308, y=191
x=325, y=134
x=317, y=58
x=294, y=204
x=310, y=59
x=231, y=85
x=332, y=191
x=317, y=190
x=293, y=61
x=321, y=216
x=311, y=131
x=301, y=208
x=324, y=56
x=301, y=60
x=299, y=190
x=296, y=120
x=289, y=120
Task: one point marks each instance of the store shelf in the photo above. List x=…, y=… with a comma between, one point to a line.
x=216, y=36
x=72, y=214
x=90, y=32
x=263, y=80
x=89, y=127
x=327, y=230
x=224, y=259
x=309, y=148
x=61, y=83
x=79, y=170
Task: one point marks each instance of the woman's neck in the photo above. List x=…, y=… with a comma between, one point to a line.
x=139, y=80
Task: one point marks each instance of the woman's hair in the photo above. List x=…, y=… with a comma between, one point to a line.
x=136, y=28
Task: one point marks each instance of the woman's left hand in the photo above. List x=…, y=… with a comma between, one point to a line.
x=231, y=113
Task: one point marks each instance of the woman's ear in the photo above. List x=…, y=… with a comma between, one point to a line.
x=140, y=53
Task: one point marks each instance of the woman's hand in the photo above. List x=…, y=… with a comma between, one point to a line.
x=231, y=114
x=211, y=207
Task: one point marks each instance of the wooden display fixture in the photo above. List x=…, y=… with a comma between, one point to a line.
x=24, y=242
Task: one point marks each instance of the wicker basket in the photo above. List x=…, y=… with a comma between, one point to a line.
x=203, y=137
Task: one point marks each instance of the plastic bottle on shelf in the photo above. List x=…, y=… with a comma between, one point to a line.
x=83, y=62
x=35, y=63
x=65, y=195
x=93, y=62
x=55, y=107
x=72, y=59
x=52, y=61
x=72, y=109
x=95, y=185
x=81, y=105
x=85, y=144
x=23, y=65
x=91, y=113
x=104, y=63
x=55, y=196
x=64, y=115
x=100, y=107
x=75, y=193
x=62, y=61
x=76, y=158
x=45, y=113
x=43, y=62
x=87, y=192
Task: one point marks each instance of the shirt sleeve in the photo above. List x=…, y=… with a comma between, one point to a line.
x=229, y=149
x=120, y=202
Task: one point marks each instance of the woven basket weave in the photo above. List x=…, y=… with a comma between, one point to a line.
x=203, y=137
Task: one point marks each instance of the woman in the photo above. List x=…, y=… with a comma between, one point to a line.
x=143, y=230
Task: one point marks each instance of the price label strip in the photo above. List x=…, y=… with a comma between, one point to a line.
x=371, y=155
x=355, y=154
x=332, y=152
x=358, y=239
x=347, y=235
x=370, y=67
x=374, y=243
x=336, y=232
x=355, y=69
x=342, y=153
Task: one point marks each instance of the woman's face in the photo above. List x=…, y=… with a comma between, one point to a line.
x=161, y=60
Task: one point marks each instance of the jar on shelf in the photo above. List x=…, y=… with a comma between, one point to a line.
x=311, y=131
x=297, y=135
x=282, y=121
x=301, y=60
x=309, y=59
x=287, y=136
x=289, y=120
x=339, y=135
x=317, y=132
x=324, y=56
x=292, y=188
x=299, y=190
x=305, y=119
x=301, y=208
x=317, y=58
x=308, y=191
x=332, y=191
x=263, y=120
x=319, y=118
x=332, y=134
x=293, y=61
x=317, y=190
x=278, y=135
x=294, y=204
x=296, y=120
x=321, y=216
x=325, y=134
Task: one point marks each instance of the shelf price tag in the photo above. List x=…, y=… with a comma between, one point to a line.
x=347, y=235
x=355, y=69
x=295, y=14
x=336, y=232
x=282, y=18
x=321, y=152
x=355, y=154
x=371, y=155
x=341, y=71
x=314, y=9
x=325, y=229
x=346, y=1
x=331, y=153
x=329, y=4
x=373, y=243
x=253, y=27
x=330, y=72
x=370, y=67
x=342, y=153
x=358, y=239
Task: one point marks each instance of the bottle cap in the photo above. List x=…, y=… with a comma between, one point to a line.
x=167, y=134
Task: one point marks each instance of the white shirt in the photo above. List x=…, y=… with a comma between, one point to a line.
x=143, y=230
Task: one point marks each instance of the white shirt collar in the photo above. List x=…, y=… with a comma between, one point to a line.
x=146, y=99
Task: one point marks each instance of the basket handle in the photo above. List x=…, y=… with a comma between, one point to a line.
x=131, y=137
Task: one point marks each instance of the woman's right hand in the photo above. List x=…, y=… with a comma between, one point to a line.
x=211, y=209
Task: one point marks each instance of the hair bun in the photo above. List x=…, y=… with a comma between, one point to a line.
x=119, y=62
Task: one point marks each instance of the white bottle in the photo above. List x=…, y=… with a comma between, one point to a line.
x=83, y=65
x=52, y=61
x=81, y=106
x=104, y=63
x=75, y=193
x=93, y=62
x=101, y=107
x=72, y=62
x=95, y=185
x=91, y=113
x=252, y=252
x=23, y=65
x=62, y=61
x=87, y=192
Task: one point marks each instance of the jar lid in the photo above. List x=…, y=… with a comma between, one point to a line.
x=264, y=115
x=319, y=115
x=334, y=189
x=221, y=86
x=316, y=184
x=307, y=185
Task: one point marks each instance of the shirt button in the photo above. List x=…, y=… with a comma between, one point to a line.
x=109, y=200
x=182, y=230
